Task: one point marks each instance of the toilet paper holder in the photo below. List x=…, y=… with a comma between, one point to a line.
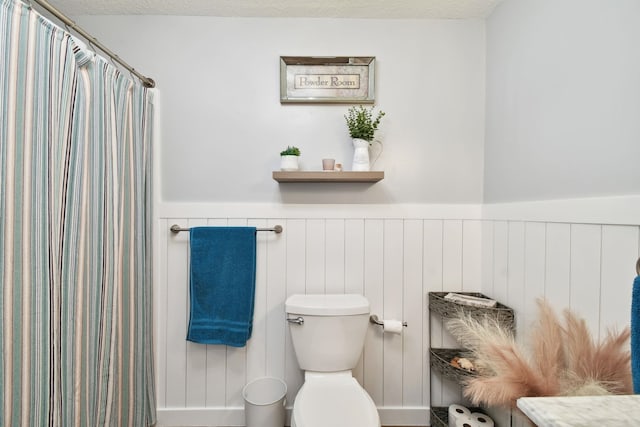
x=374, y=319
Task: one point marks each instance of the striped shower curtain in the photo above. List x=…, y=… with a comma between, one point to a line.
x=75, y=228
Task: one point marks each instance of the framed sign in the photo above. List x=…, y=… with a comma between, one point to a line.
x=338, y=79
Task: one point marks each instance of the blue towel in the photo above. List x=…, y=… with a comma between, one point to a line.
x=222, y=285
x=635, y=335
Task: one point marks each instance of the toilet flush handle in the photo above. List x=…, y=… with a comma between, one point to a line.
x=298, y=320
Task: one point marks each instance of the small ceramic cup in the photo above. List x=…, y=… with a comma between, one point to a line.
x=328, y=164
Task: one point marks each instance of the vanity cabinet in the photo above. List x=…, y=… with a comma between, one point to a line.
x=441, y=358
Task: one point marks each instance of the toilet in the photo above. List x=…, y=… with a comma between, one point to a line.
x=328, y=334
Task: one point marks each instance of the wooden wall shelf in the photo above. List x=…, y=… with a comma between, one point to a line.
x=330, y=176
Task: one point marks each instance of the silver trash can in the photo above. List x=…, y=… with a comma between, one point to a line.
x=264, y=400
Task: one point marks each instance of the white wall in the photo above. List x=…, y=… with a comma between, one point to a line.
x=394, y=255
x=563, y=100
x=578, y=254
x=392, y=240
x=561, y=251
x=223, y=126
x=377, y=251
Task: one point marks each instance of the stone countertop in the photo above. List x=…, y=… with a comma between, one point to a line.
x=582, y=411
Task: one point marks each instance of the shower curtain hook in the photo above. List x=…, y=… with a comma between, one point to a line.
x=70, y=30
x=113, y=62
x=92, y=47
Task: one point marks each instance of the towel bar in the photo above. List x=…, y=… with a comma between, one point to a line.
x=175, y=228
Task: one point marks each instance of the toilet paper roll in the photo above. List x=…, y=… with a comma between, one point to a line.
x=457, y=413
x=465, y=421
x=481, y=419
x=393, y=326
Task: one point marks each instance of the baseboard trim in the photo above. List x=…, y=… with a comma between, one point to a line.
x=200, y=417
x=234, y=417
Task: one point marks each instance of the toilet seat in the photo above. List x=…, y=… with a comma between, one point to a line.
x=335, y=400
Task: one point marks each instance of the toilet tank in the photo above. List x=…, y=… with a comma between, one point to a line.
x=331, y=335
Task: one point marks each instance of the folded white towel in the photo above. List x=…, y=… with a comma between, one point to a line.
x=471, y=300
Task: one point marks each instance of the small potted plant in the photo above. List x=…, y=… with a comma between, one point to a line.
x=362, y=127
x=289, y=159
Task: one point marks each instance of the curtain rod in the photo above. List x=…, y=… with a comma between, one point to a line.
x=146, y=81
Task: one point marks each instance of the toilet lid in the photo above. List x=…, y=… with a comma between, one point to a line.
x=336, y=402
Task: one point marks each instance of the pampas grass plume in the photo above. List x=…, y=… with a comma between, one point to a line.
x=564, y=359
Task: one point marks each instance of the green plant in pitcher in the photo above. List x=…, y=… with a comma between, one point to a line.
x=361, y=122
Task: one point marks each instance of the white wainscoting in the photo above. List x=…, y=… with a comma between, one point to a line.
x=391, y=256
x=578, y=254
x=395, y=255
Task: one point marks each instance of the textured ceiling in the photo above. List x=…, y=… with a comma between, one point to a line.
x=388, y=9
